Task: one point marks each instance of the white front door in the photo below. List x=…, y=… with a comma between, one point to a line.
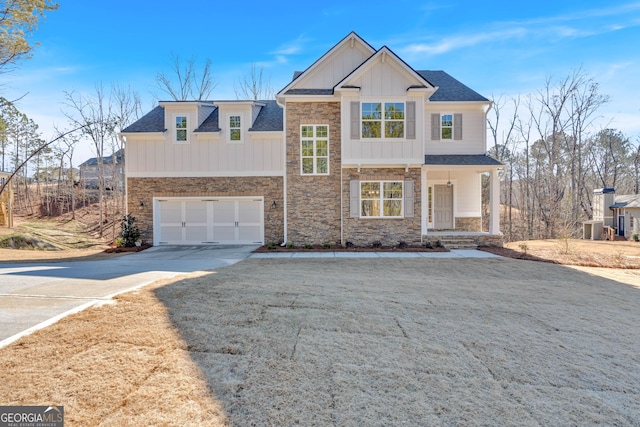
x=209, y=221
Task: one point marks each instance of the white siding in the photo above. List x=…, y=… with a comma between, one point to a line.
x=384, y=79
x=383, y=151
x=466, y=189
x=473, y=130
x=335, y=67
x=152, y=157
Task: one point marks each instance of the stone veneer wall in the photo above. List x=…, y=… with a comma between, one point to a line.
x=389, y=232
x=313, y=211
x=469, y=224
x=145, y=189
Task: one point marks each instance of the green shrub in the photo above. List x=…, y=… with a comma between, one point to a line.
x=636, y=237
x=130, y=232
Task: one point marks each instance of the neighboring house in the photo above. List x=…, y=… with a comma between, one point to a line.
x=112, y=166
x=358, y=148
x=618, y=211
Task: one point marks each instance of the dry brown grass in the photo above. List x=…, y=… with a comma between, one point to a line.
x=119, y=364
x=585, y=253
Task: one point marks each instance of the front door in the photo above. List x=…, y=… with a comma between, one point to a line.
x=443, y=207
x=621, y=223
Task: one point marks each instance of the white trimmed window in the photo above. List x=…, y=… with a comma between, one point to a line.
x=314, y=149
x=446, y=126
x=235, y=128
x=381, y=199
x=181, y=129
x=383, y=119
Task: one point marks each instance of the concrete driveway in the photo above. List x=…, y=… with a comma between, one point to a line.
x=33, y=296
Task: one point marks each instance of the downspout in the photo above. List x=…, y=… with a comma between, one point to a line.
x=284, y=165
x=126, y=166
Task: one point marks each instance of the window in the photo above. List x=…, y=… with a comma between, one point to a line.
x=446, y=127
x=314, y=149
x=181, y=128
x=381, y=199
x=235, y=128
x=377, y=122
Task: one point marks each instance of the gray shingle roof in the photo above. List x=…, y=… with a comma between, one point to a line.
x=460, y=160
x=153, y=121
x=211, y=123
x=270, y=118
x=450, y=89
x=93, y=161
x=626, y=201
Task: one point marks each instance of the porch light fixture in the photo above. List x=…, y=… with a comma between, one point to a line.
x=449, y=184
x=141, y=204
x=274, y=205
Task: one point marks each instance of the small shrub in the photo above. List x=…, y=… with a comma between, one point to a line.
x=402, y=245
x=349, y=244
x=130, y=231
x=428, y=245
x=119, y=242
x=290, y=245
x=308, y=246
x=327, y=245
x=272, y=245
x=636, y=237
x=524, y=247
x=377, y=244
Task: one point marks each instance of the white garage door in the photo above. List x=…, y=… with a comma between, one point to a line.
x=209, y=221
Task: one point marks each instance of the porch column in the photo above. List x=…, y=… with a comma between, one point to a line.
x=494, y=198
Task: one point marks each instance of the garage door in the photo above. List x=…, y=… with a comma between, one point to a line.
x=209, y=221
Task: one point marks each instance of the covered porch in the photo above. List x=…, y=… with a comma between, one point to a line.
x=452, y=192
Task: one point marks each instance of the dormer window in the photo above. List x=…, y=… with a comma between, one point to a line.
x=235, y=128
x=181, y=129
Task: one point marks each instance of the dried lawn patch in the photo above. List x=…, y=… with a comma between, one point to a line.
x=619, y=255
x=118, y=364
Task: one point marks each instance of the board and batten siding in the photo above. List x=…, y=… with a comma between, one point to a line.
x=473, y=130
x=401, y=151
x=334, y=68
x=152, y=157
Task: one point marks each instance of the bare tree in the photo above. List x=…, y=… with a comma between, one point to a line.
x=95, y=115
x=185, y=83
x=255, y=86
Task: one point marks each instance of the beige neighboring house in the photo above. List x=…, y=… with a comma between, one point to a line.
x=6, y=201
x=620, y=212
x=358, y=148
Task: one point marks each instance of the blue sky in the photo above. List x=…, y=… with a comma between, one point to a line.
x=497, y=48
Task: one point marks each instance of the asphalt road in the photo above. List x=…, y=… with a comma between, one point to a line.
x=33, y=296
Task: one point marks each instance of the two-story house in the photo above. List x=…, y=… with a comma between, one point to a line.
x=357, y=148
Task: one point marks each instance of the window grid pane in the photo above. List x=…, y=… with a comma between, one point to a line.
x=385, y=194
x=314, y=149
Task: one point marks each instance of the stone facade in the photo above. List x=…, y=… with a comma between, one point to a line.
x=141, y=191
x=469, y=224
x=313, y=201
x=389, y=232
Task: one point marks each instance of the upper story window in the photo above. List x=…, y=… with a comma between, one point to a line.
x=235, y=128
x=314, y=149
x=181, y=129
x=383, y=119
x=381, y=199
x=446, y=126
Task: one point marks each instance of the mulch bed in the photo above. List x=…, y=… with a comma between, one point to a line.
x=338, y=248
x=119, y=249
